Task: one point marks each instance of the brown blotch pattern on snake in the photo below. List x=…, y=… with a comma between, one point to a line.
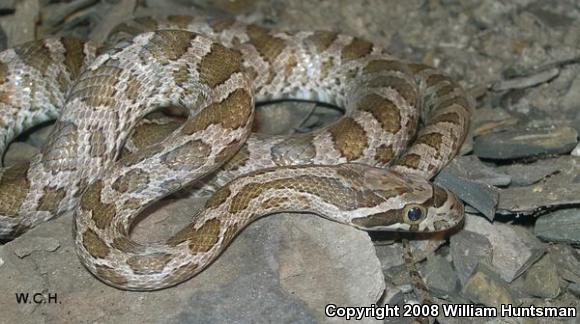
x=385, y=154
x=97, y=88
x=218, y=65
x=434, y=140
x=356, y=49
x=274, y=203
x=267, y=45
x=386, y=66
x=410, y=160
x=218, y=198
x=51, y=199
x=36, y=55
x=169, y=44
x=73, y=56
x=124, y=244
x=233, y=112
x=102, y=214
x=199, y=240
x=349, y=138
x=405, y=89
x=13, y=189
x=188, y=156
x=94, y=245
x=150, y=263
x=322, y=40
x=131, y=181
x=240, y=156
x=103, y=271
x=385, y=111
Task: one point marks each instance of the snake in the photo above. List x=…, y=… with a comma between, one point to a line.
x=370, y=169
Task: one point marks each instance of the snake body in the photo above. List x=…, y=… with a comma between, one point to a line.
x=403, y=122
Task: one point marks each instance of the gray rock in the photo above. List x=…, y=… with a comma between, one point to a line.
x=24, y=248
x=514, y=248
x=283, y=268
x=491, y=120
x=560, y=226
x=20, y=27
x=574, y=288
x=470, y=180
x=440, y=277
x=7, y=5
x=3, y=39
x=19, y=152
x=567, y=260
x=522, y=143
x=40, y=136
x=487, y=288
x=525, y=174
x=472, y=168
x=468, y=249
x=576, y=151
x=560, y=189
x=390, y=255
x=526, y=81
x=571, y=100
x=542, y=279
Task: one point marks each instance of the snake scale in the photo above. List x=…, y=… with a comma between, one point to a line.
x=403, y=122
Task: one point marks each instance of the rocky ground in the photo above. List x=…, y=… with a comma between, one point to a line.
x=519, y=176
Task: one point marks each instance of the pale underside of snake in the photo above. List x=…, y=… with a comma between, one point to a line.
x=403, y=122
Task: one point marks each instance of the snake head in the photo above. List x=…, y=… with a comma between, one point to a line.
x=409, y=203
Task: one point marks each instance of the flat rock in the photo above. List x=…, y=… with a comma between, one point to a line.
x=472, y=186
x=560, y=226
x=574, y=288
x=576, y=151
x=523, y=143
x=485, y=287
x=440, y=277
x=20, y=27
x=471, y=168
x=542, y=279
x=40, y=136
x=490, y=120
x=567, y=261
x=525, y=174
x=19, y=152
x=468, y=249
x=560, y=189
x=284, y=268
x=515, y=249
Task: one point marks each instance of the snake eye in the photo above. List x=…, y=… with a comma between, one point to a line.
x=414, y=214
